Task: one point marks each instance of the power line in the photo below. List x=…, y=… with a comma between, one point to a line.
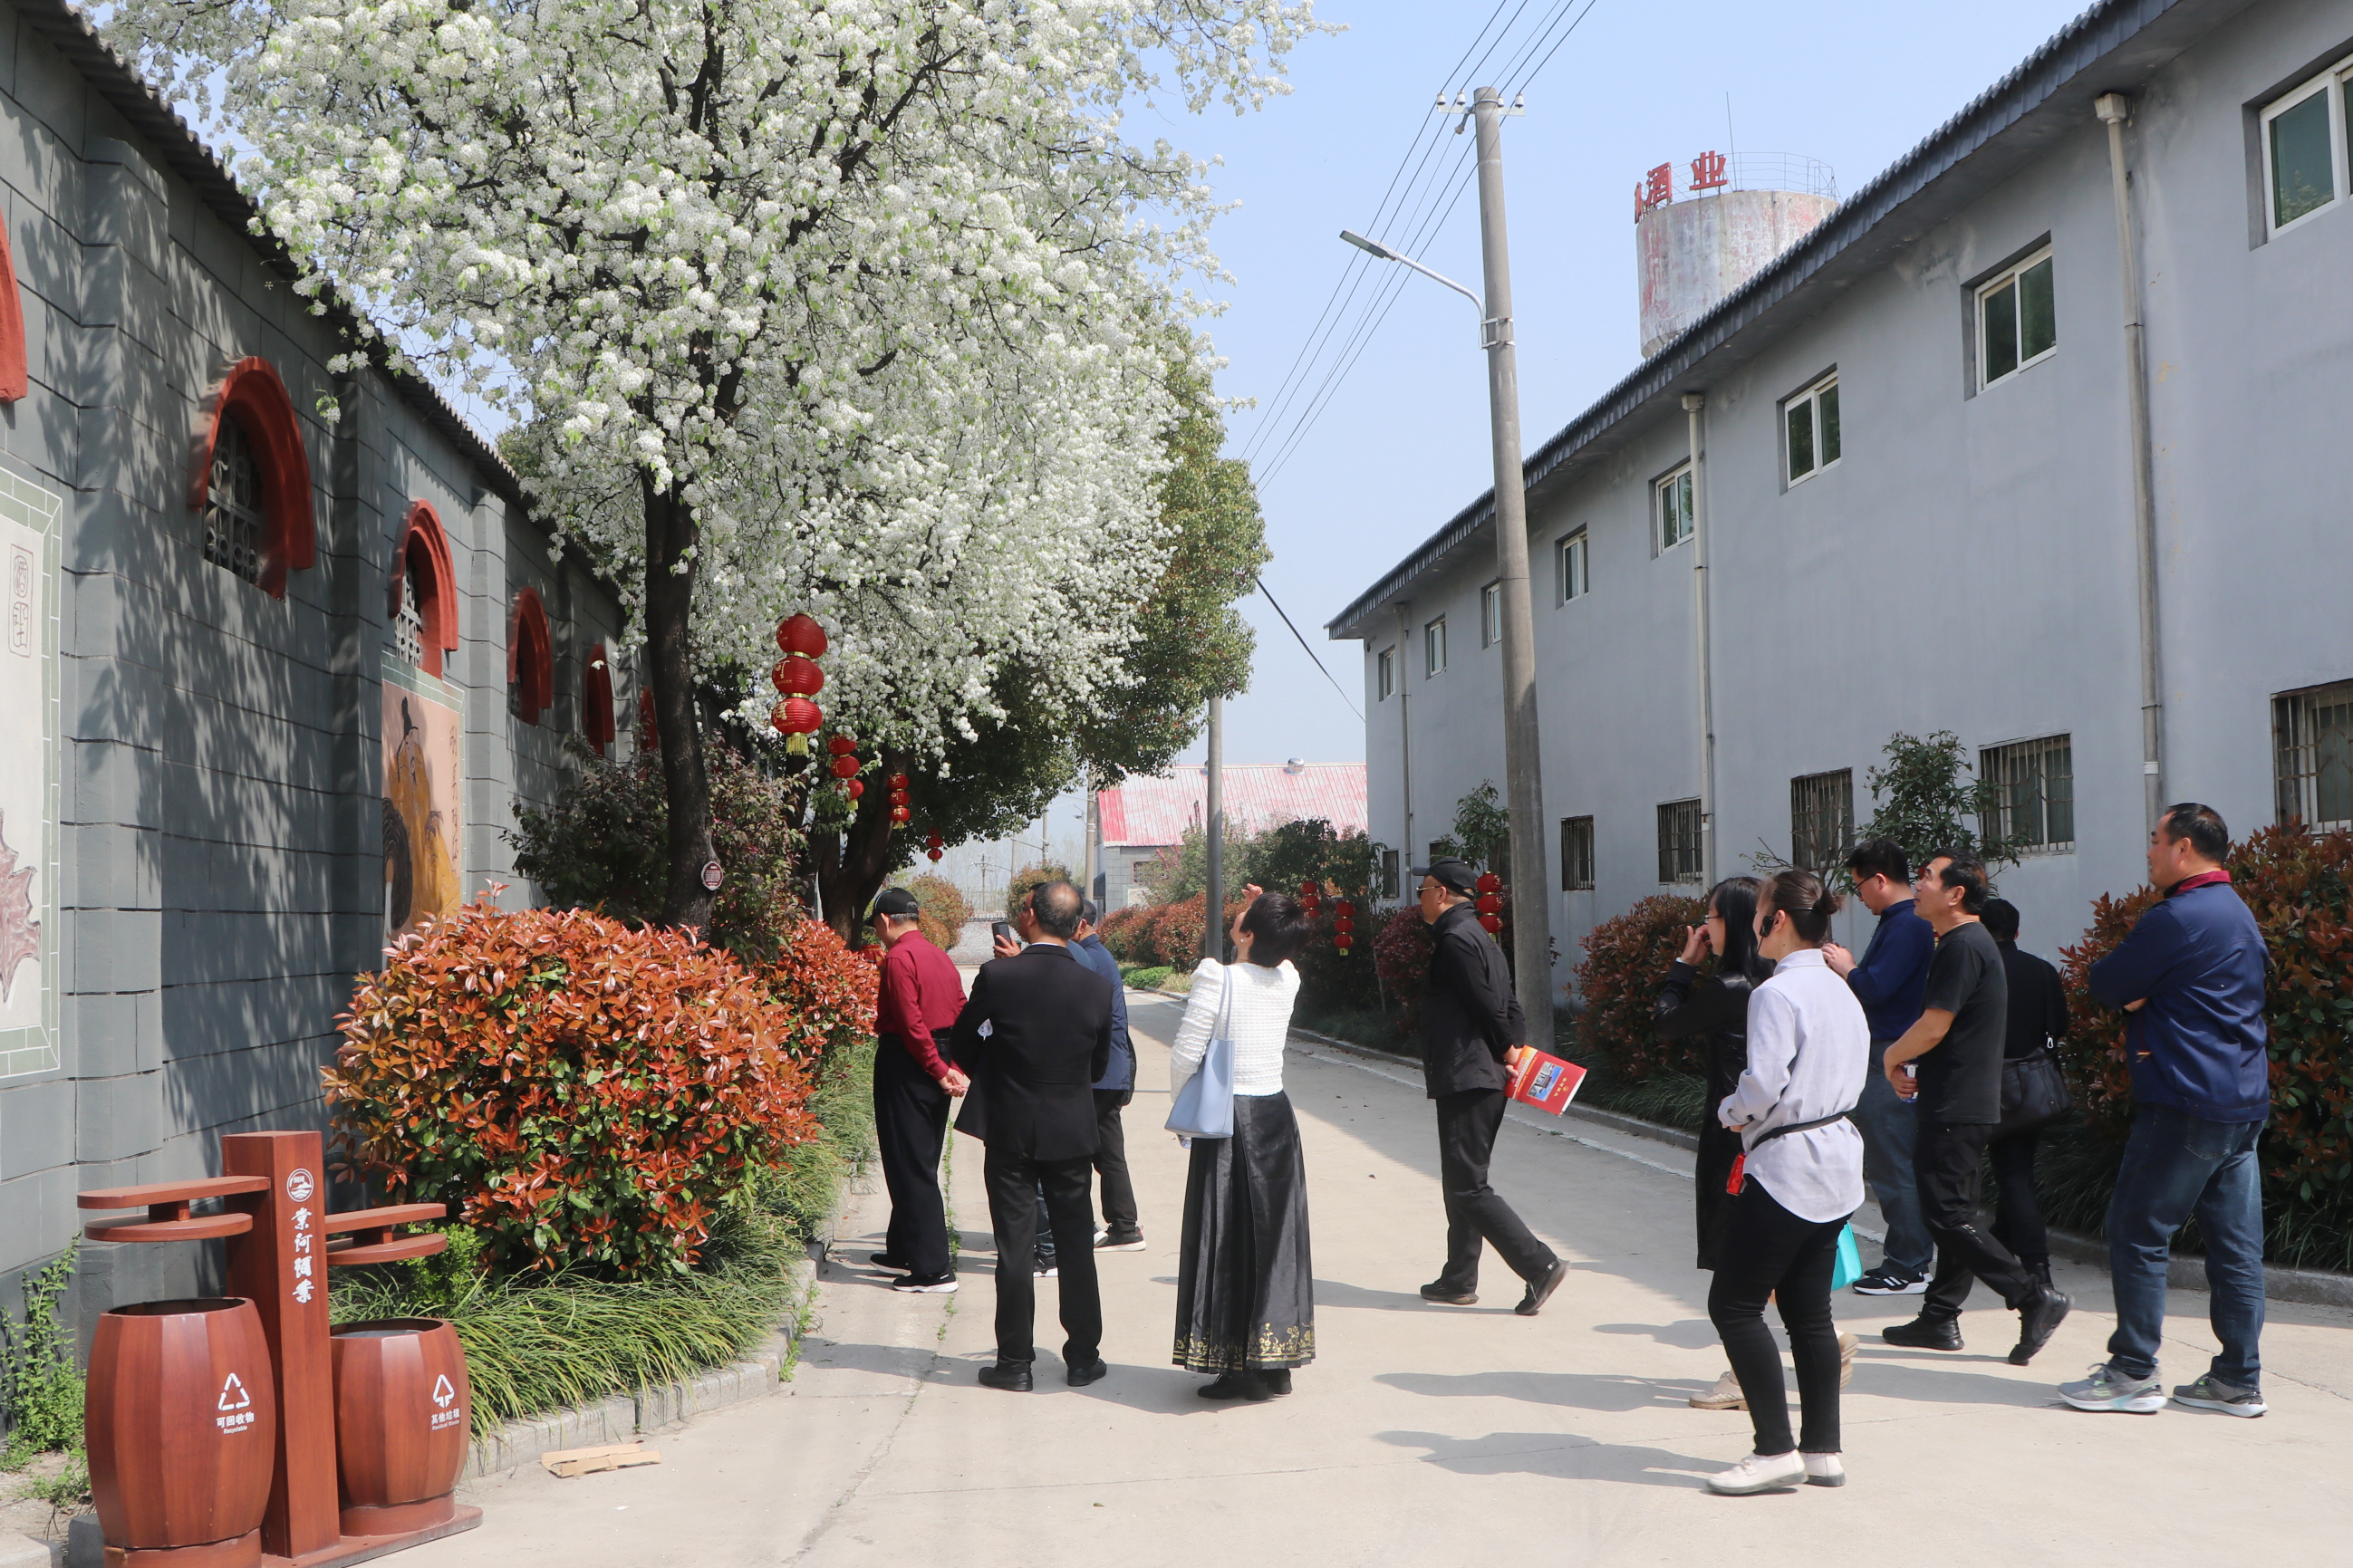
x=1311, y=652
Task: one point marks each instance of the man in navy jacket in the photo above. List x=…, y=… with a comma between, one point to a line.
x=1122, y=1230
x=2190, y=972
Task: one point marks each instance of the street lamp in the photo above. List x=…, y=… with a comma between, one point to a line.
x=1531, y=908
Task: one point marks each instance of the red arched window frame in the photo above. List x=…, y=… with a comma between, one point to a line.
x=597, y=700
x=530, y=658
x=252, y=395
x=425, y=551
x=15, y=382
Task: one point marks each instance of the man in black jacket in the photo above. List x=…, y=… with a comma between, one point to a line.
x=1470, y=1026
x=1036, y=1035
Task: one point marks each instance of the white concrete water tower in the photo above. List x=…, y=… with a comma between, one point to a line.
x=1736, y=214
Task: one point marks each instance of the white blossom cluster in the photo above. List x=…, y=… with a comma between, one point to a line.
x=876, y=288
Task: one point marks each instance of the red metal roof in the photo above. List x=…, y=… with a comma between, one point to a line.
x=1258, y=796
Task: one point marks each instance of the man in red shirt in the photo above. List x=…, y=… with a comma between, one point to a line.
x=921, y=995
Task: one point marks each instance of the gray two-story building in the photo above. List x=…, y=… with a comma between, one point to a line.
x=1935, y=484
x=282, y=648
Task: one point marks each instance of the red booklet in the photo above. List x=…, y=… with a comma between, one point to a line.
x=1545, y=1082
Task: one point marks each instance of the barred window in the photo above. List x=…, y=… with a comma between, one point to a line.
x=2313, y=755
x=408, y=622
x=234, y=526
x=1679, y=847
x=1576, y=854
x=1388, y=873
x=2035, y=782
x=1821, y=819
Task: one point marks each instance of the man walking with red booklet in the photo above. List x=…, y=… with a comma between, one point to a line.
x=1471, y=1029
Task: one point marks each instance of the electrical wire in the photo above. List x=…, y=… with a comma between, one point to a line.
x=1311, y=652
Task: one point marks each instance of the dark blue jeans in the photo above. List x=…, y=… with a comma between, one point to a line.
x=1890, y=1128
x=2177, y=1164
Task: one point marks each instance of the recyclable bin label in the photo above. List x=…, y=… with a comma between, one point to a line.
x=235, y=1405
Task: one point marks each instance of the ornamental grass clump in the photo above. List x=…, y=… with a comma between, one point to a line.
x=586, y=1096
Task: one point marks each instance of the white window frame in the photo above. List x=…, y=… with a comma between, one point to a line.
x=1572, y=566
x=1993, y=285
x=1490, y=615
x=1678, y=476
x=2337, y=84
x=1811, y=396
x=1385, y=673
x=1433, y=649
x=2039, y=749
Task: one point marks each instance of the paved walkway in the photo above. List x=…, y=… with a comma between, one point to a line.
x=1429, y=1434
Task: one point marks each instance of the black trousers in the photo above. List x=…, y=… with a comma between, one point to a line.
x=2018, y=1207
x=1467, y=1124
x=911, y=1119
x=1948, y=1160
x=1110, y=1163
x=1013, y=1181
x=1770, y=1252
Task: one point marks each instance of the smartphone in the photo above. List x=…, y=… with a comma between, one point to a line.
x=1912, y=1071
x=1001, y=931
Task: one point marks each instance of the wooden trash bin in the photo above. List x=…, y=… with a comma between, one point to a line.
x=403, y=1419
x=183, y=1430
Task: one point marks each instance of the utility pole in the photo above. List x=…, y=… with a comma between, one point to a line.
x=1522, y=757
x=1213, y=820
x=1695, y=414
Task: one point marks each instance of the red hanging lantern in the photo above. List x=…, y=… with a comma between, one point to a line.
x=898, y=797
x=1491, y=903
x=841, y=745
x=898, y=781
x=800, y=634
x=935, y=852
x=900, y=814
x=797, y=677
x=1345, y=925
x=845, y=767
x=1308, y=890
x=853, y=789
x=935, y=840
x=1491, y=924
x=797, y=719
x=1344, y=908
x=1490, y=883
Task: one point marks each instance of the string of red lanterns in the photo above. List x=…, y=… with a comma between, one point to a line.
x=934, y=846
x=1491, y=901
x=798, y=677
x=899, y=810
x=1344, y=915
x=845, y=765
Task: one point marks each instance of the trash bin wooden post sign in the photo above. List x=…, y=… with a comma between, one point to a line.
x=281, y=1242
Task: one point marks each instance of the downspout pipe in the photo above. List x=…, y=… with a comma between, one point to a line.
x=1407, y=853
x=1694, y=416
x=2113, y=109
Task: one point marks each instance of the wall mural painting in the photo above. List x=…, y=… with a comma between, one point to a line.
x=421, y=828
x=29, y=778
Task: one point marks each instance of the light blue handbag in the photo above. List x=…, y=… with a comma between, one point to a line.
x=1848, y=1267
x=1205, y=1106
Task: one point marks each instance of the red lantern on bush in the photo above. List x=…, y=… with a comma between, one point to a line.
x=800, y=634
x=1491, y=924
x=841, y=745
x=796, y=718
x=1345, y=926
x=1491, y=903
x=1490, y=883
x=845, y=767
x=797, y=677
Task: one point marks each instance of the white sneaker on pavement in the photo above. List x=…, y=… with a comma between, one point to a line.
x=1759, y=1473
x=1725, y=1395
x=1824, y=1470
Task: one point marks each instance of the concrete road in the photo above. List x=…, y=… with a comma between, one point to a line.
x=1426, y=1435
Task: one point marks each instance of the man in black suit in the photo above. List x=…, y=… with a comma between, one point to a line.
x=1036, y=1035
x=1472, y=1030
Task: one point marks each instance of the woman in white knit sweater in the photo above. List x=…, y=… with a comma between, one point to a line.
x=1245, y=1288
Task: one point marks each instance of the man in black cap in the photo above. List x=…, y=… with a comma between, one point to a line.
x=1471, y=1028
x=918, y=1000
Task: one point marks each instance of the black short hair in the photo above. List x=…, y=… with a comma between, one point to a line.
x=1088, y=913
x=1878, y=858
x=1966, y=872
x=2000, y=919
x=2201, y=824
x=1277, y=927
x=1056, y=905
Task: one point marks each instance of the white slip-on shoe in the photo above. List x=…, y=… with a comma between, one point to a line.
x=1760, y=1473
x=1725, y=1395
x=1824, y=1470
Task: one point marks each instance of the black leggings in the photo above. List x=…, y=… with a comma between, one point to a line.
x=1768, y=1251
x=2018, y=1208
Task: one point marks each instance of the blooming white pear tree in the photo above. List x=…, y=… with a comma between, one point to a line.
x=861, y=307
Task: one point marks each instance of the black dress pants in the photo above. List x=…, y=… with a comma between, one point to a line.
x=1949, y=1162
x=1467, y=1124
x=1110, y=1163
x=1771, y=1253
x=1013, y=1183
x=2018, y=1206
x=911, y=1119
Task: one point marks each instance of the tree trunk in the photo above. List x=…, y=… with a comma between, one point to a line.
x=686, y=787
x=867, y=853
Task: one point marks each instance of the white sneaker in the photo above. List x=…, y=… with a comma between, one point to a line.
x=1725, y=1395
x=1757, y=1473
x=1824, y=1470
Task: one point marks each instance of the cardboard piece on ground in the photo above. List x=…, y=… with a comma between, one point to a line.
x=570, y=1462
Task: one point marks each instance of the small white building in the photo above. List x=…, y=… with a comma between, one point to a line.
x=1145, y=815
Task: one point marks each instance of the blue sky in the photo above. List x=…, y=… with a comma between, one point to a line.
x=1401, y=445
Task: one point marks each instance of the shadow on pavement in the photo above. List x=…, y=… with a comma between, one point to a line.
x=1683, y=1333
x=1558, y=1457
x=1338, y=1293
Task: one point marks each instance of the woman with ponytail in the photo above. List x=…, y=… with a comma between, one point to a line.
x=1800, y=1178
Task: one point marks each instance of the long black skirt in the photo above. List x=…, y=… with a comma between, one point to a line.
x=1245, y=1287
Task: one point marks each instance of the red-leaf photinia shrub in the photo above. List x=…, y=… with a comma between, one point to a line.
x=1626, y=961
x=585, y=1094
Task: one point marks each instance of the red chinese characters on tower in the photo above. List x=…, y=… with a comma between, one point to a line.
x=1708, y=171
x=1657, y=189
